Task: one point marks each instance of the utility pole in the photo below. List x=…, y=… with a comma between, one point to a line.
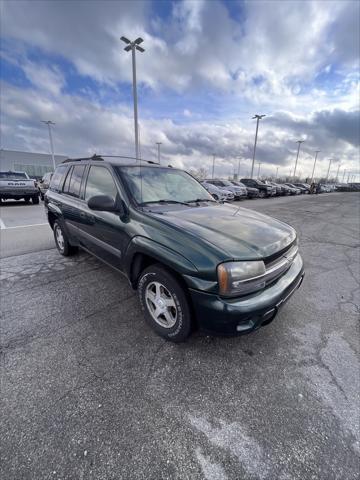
x=49, y=123
x=258, y=118
x=213, y=166
x=133, y=46
x=327, y=176
x=258, y=175
x=313, y=171
x=158, y=145
x=297, y=156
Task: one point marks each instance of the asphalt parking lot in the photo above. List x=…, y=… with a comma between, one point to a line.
x=90, y=392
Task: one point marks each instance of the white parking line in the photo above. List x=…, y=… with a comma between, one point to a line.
x=2, y=225
x=21, y=226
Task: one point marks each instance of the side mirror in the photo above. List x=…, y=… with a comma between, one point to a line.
x=102, y=203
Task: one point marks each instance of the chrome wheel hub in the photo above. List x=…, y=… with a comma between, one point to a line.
x=161, y=304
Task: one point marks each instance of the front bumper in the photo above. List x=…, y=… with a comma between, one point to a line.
x=238, y=316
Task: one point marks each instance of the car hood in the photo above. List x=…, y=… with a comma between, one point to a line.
x=240, y=233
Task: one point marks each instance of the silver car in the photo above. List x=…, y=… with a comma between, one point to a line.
x=239, y=192
x=218, y=193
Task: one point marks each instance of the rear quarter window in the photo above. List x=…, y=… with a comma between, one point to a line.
x=58, y=178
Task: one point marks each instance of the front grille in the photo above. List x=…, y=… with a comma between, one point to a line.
x=269, y=260
x=280, y=265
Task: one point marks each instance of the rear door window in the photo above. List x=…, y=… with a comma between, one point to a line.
x=58, y=178
x=74, y=186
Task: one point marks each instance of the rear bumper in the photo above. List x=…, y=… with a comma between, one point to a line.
x=243, y=315
x=18, y=193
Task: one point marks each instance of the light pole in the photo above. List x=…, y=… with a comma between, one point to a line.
x=313, y=170
x=133, y=46
x=258, y=118
x=258, y=175
x=213, y=166
x=238, y=171
x=337, y=173
x=277, y=171
x=327, y=175
x=297, y=156
x=158, y=145
x=344, y=176
x=49, y=123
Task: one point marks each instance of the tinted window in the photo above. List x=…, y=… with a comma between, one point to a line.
x=100, y=182
x=14, y=175
x=75, y=181
x=67, y=180
x=57, y=178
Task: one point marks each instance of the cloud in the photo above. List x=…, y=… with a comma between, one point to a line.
x=213, y=64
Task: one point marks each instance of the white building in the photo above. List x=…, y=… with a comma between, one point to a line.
x=34, y=164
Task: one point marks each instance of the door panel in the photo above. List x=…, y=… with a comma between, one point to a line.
x=104, y=232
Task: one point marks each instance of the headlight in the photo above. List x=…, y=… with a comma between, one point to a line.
x=240, y=278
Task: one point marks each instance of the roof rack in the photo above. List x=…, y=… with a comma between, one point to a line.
x=94, y=157
x=101, y=157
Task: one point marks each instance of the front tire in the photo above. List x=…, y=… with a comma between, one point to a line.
x=164, y=303
x=61, y=241
x=262, y=194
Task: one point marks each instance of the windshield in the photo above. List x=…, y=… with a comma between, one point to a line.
x=162, y=185
x=227, y=183
x=13, y=175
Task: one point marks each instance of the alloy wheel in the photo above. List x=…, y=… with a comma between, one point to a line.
x=161, y=304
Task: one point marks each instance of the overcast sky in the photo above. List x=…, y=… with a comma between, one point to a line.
x=209, y=66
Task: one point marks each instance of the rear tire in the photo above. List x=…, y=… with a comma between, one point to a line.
x=35, y=199
x=61, y=241
x=164, y=303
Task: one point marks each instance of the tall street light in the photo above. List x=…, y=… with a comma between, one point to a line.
x=344, y=176
x=49, y=123
x=337, y=173
x=213, y=166
x=327, y=175
x=258, y=175
x=277, y=171
x=313, y=170
x=258, y=118
x=158, y=145
x=238, y=170
x=133, y=46
x=297, y=156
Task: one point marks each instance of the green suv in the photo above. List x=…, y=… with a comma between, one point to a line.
x=194, y=262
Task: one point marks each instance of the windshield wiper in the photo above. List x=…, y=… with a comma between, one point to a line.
x=163, y=201
x=197, y=200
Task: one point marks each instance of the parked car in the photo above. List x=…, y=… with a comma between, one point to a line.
x=304, y=187
x=219, y=194
x=264, y=190
x=275, y=190
x=43, y=184
x=192, y=260
x=292, y=186
x=251, y=192
x=17, y=186
x=239, y=192
x=281, y=189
